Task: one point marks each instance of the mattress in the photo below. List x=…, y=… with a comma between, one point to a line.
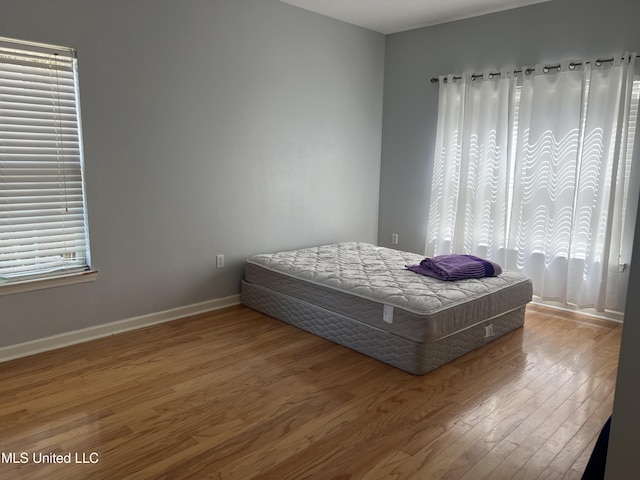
x=363, y=297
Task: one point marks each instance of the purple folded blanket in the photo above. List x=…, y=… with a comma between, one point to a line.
x=456, y=267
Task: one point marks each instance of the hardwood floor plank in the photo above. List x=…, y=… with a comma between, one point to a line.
x=235, y=394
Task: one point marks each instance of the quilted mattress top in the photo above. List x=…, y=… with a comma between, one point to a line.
x=379, y=274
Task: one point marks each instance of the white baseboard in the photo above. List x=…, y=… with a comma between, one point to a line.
x=12, y=352
x=610, y=315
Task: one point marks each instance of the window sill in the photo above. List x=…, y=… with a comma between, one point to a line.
x=48, y=282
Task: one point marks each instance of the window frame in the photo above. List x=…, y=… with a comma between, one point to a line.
x=41, y=185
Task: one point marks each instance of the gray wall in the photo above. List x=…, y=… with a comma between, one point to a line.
x=546, y=32
x=210, y=127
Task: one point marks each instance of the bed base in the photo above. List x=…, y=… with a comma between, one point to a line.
x=415, y=358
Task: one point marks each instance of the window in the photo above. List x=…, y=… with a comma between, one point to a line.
x=43, y=221
x=532, y=171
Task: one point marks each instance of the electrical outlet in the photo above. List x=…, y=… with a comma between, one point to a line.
x=219, y=261
x=394, y=238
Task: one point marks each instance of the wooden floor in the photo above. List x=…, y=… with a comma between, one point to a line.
x=236, y=394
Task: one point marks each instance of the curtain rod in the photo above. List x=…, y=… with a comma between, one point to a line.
x=529, y=71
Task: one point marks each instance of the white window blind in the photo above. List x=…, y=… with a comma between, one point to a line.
x=631, y=139
x=43, y=224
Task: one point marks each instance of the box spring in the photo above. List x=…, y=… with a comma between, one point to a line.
x=414, y=357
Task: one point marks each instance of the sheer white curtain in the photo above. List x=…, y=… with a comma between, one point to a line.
x=534, y=175
x=569, y=185
x=469, y=198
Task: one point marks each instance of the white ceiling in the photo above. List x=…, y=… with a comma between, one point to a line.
x=391, y=16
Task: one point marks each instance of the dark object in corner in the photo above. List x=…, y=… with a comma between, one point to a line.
x=598, y=459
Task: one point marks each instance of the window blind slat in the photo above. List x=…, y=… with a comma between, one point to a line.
x=45, y=203
x=53, y=229
x=29, y=195
x=32, y=217
x=42, y=266
x=42, y=246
